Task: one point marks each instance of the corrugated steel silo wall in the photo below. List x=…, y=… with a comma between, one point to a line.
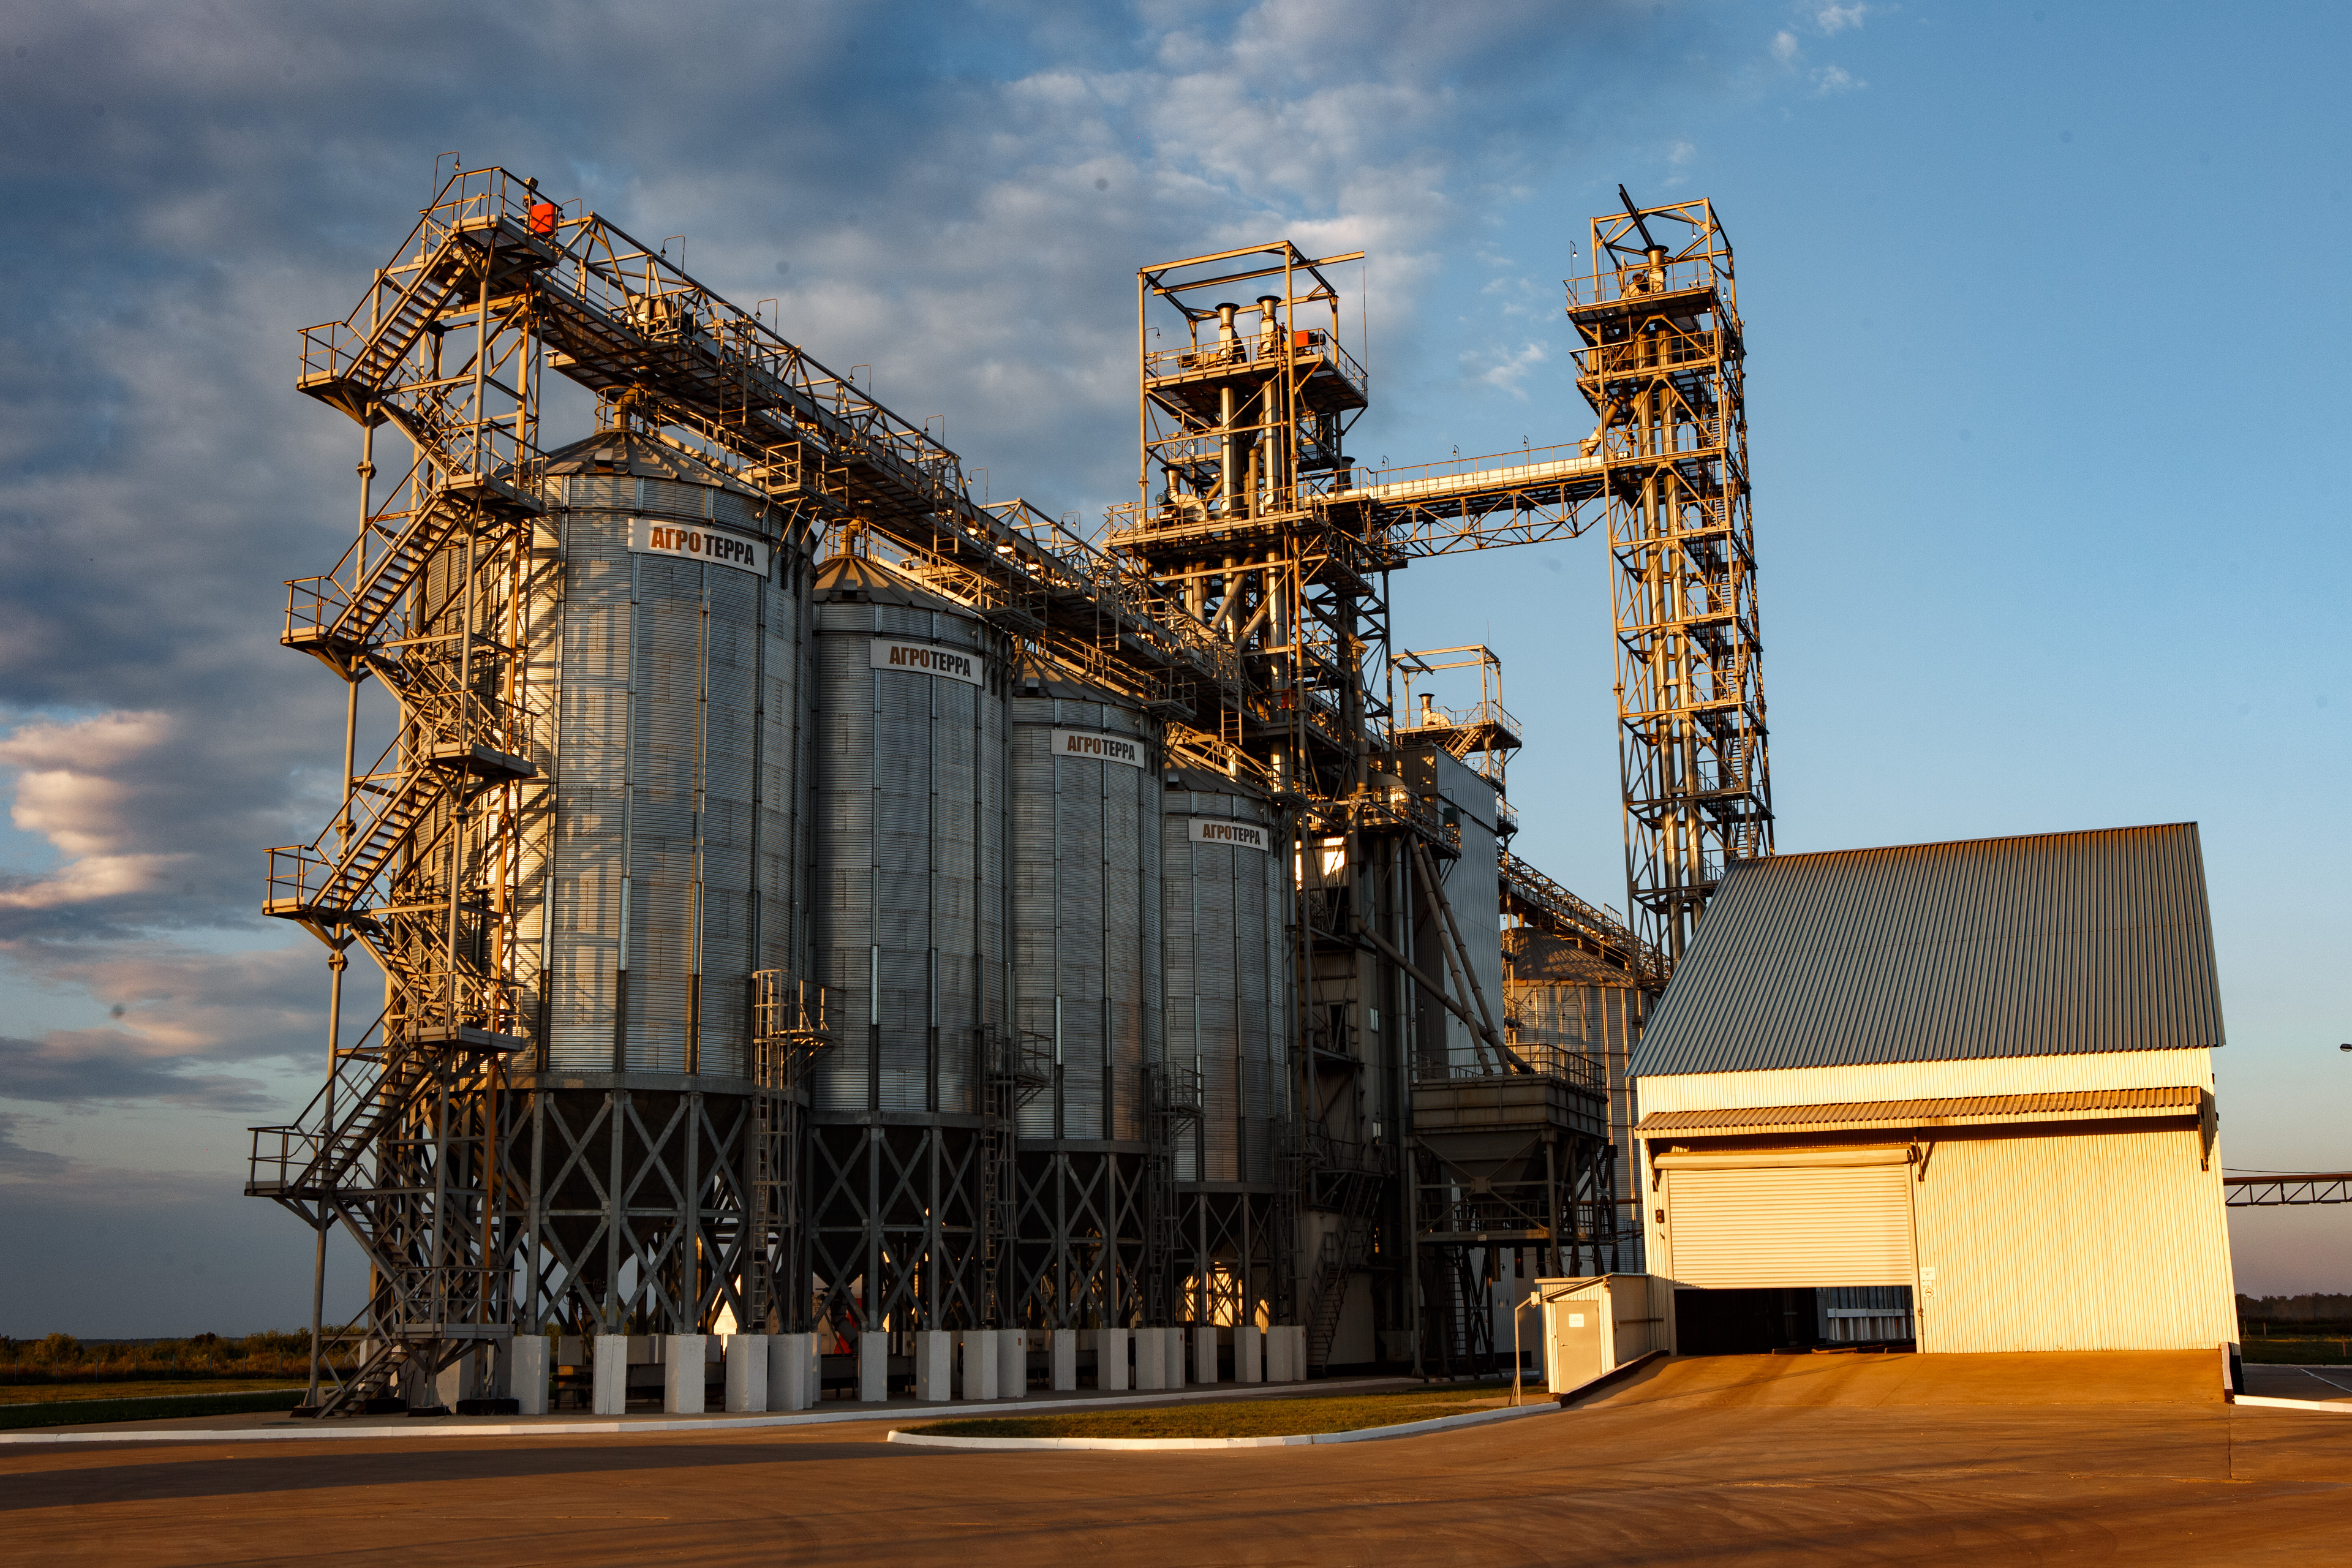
x=1223, y=926
x=1083, y=884
x=679, y=733
x=909, y=858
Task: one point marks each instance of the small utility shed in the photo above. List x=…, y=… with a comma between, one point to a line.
x=1970, y=1079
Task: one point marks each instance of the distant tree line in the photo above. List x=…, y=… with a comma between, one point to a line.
x=61, y=1358
x=2310, y=1311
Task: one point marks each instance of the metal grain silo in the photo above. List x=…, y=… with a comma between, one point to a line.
x=677, y=777
x=1226, y=906
x=1227, y=896
x=671, y=603
x=908, y=907
x=1085, y=885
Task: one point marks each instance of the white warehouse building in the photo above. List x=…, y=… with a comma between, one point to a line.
x=1960, y=1093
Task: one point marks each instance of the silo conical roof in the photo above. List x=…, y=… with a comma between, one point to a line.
x=863, y=580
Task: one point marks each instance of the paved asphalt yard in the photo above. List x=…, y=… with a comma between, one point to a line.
x=1813, y=1459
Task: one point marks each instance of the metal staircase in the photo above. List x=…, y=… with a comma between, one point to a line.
x=1344, y=1252
x=1173, y=1098
x=1016, y=1066
x=789, y=1032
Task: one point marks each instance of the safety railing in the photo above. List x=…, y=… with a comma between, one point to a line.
x=1534, y=1060
x=1309, y=348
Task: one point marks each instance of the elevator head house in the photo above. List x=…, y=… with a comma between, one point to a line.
x=1959, y=1095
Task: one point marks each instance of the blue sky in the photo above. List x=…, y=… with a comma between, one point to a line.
x=2045, y=331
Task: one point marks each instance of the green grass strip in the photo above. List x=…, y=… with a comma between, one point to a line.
x=141, y=1388
x=1285, y=1417
x=83, y=1412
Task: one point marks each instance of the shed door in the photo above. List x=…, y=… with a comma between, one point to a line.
x=1731, y=1227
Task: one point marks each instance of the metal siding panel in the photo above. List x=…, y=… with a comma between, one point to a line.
x=2092, y=1242
x=1917, y=1081
x=1737, y=1229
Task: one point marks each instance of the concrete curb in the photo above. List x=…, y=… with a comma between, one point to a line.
x=1609, y=1379
x=461, y=1426
x=2312, y=1404
x=1126, y=1444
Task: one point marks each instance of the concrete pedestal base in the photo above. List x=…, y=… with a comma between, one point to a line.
x=793, y=1372
x=1062, y=1356
x=1012, y=1364
x=747, y=1373
x=1150, y=1359
x=976, y=1368
x=459, y=1380
x=1285, y=1345
x=934, y=1364
x=1205, y=1369
x=1110, y=1359
x=683, y=1356
x=527, y=1374
x=1172, y=1346
x=610, y=1397
x=1249, y=1353
x=873, y=1367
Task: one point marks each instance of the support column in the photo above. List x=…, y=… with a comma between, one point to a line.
x=978, y=1379
x=1172, y=1350
x=873, y=1366
x=934, y=1364
x=1012, y=1363
x=1110, y=1359
x=1150, y=1359
x=527, y=1373
x=684, y=1360
x=747, y=1373
x=612, y=1375
x=793, y=1372
x=1249, y=1353
x=1062, y=1354
x=1206, y=1370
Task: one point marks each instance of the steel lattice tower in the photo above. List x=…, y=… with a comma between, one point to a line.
x=1660, y=366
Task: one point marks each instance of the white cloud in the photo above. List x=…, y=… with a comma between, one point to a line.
x=1834, y=78
x=1785, y=47
x=957, y=196
x=1507, y=373
x=1834, y=19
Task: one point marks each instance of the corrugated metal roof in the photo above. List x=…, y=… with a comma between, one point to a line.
x=2074, y=1105
x=626, y=452
x=861, y=579
x=2056, y=943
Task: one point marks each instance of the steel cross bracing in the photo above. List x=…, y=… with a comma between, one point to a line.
x=2275, y=1191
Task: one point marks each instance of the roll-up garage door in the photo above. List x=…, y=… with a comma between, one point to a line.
x=1738, y=1222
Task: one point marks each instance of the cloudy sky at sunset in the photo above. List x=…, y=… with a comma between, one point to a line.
x=2045, y=315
